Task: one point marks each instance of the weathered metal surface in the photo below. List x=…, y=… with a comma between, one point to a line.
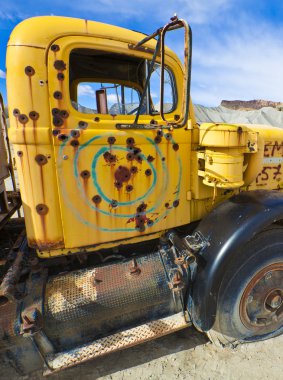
x=92, y=303
x=121, y=340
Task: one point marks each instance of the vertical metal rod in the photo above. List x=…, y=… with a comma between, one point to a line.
x=123, y=99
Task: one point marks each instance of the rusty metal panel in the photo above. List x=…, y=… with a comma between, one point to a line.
x=124, y=339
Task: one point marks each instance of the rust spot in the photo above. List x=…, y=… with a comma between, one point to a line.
x=176, y=203
x=64, y=114
x=157, y=139
x=111, y=140
x=75, y=133
x=133, y=169
x=148, y=172
x=58, y=95
x=96, y=199
x=130, y=156
x=34, y=115
x=75, y=143
x=57, y=121
x=60, y=65
x=150, y=158
x=16, y=112
x=20, y=153
x=167, y=205
x=97, y=119
x=62, y=137
x=122, y=174
x=85, y=174
x=139, y=159
x=60, y=76
x=109, y=158
x=55, y=132
x=41, y=159
x=42, y=209
x=29, y=71
x=23, y=118
x=55, y=47
x=142, y=207
x=176, y=147
x=118, y=184
x=114, y=203
x=129, y=188
x=82, y=124
x=130, y=141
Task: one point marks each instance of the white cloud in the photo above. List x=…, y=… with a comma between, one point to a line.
x=86, y=90
x=2, y=74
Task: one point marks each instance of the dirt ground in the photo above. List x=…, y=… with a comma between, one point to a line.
x=186, y=354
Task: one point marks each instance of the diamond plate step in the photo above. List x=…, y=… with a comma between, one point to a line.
x=115, y=342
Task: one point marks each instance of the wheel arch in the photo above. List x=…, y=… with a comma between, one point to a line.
x=227, y=229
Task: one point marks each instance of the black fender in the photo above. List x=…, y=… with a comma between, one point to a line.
x=227, y=229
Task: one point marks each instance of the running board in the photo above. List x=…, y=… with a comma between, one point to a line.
x=128, y=338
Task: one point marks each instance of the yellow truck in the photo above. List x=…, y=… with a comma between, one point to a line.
x=139, y=222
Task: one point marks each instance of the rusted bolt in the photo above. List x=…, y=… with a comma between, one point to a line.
x=96, y=199
x=75, y=133
x=57, y=121
x=58, y=95
x=114, y=203
x=135, y=269
x=16, y=112
x=274, y=301
x=20, y=153
x=176, y=147
x=29, y=71
x=176, y=203
x=148, y=172
x=133, y=169
x=85, y=174
x=34, y=115
x=75, y=143
x=64, y=114
x=111, y=140
x=23, y=119
x=62, y=137
x=157, y=139
x=150, y=158
x=55, y=132
x=82, y=124
x=42, y=209
x=41, y=159
x=60, y=65
x=97, y=119
x=129, y=188
x=55, y=47
x=130, y=141
x=60, y=76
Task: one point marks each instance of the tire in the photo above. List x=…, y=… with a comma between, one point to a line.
x=250, y=302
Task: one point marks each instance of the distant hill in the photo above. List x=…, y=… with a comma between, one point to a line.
x=250, y=104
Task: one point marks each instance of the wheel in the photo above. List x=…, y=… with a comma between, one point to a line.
x=250, y=303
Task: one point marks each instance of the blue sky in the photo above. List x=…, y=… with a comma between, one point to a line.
x=237, y=44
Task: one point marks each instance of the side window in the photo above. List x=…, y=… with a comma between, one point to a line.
x=107, y=98
x=169, y=90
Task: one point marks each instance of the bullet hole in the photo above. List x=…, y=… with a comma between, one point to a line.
x=176, y=203
x=55, y=132
x=55, y=47
x=136, y=150
x=111, y=140
x=56, y=112
x=62, y=137
x=114, y=203
x=154, y=122
x=130, y=141
x=76, y=134
x=176, y=117
x=157, y=139
x=168, y=136
x=166, y=205
x=60, y=65
x=57, y=121
x=96, y=199
x=109, y=158
x=42, y=209
x=139, y=159
x=75, y=143
x=58, y=95
x=150, y=223
x=130, y=156
x=23, y=118
x=82, y=124
x=118, y=185
x=60, y=76
x=20, y=153
x=160, y=133
x=141, y=208
x=163, y=159
x=29, y=71
x=133, y=169
x=85, y=174
x=64, y=114
x=97, y=119
x=41, y=159
x=129, y=188
x=34, y=115
x=16, y=112
x=150, y=158
x=176, y=147
x=148, y=172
